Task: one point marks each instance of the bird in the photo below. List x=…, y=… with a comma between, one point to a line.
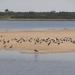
x=11, y=46
x=49, y=43
x=73, y=42
x=36, y=50
x=4, y=42
x=8, y=41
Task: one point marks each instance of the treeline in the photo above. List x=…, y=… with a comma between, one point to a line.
x=37, y=15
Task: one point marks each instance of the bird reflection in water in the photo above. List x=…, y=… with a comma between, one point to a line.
x=36, y=53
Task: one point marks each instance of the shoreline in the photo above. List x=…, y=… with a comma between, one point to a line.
x=8, y=51
x=37, y=19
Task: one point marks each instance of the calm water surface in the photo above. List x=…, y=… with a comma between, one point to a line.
x=36, y=64
x=23, y=25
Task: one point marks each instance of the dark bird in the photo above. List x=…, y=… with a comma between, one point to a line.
x=47, y=38
x=8, y=41
x=58, y=43
x=11, y=46
x=49, y=42
x=36, y=50
x=22, y=39
x=4, y=42
x=73, y=42
x=30, y=40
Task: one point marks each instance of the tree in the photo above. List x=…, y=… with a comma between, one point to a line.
x=6, y=10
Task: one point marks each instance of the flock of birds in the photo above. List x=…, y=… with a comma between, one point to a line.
x=35, y=41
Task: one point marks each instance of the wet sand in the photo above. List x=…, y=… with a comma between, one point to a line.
x=46, y=41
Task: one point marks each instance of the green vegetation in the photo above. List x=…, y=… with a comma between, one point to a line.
x=36, y=15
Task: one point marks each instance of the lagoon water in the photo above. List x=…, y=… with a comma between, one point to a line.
x=13, y=63
x=37, y=64
x=30, y=25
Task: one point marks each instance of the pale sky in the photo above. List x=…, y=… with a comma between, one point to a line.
x=37, y=5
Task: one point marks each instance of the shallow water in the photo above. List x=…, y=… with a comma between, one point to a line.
x=36, y=25
x=37, y=64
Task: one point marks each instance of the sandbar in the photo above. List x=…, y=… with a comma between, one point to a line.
x=45, y=41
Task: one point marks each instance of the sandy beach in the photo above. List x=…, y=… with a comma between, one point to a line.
x=46, y=41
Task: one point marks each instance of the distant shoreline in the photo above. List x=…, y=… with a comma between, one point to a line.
x=37, y=19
